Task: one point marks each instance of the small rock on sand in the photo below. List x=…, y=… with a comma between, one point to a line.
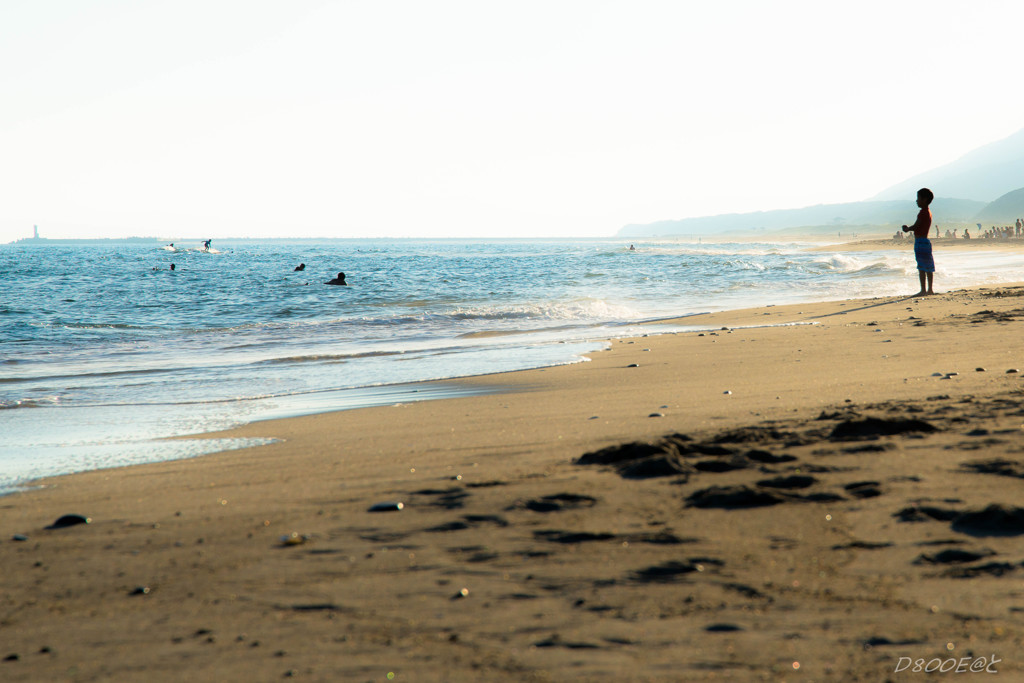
x=69, y=520
x=391, y=506
x=294, y=538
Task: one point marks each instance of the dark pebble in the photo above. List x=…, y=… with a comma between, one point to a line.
x=1012, y=371
x=69, y=520
x=636, y=365
x=392, y=506
x=140, y=590
x=19, y=537
x=12, y=657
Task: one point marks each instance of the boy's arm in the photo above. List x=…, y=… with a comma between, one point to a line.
x=921, y=222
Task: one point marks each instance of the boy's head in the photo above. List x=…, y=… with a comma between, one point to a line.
x=925, y=196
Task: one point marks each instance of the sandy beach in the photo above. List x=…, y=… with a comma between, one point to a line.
x=819, y=492
x=938, y=243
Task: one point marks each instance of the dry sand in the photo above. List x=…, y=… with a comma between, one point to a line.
x=810, y=502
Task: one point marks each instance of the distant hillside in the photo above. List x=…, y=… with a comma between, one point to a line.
x=1004, y=210
x=890, y=213
x=984, y=174
x=984, y=183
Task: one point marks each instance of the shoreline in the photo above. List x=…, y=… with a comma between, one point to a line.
x=953, y=244
x=759, y=547
x=217, y=411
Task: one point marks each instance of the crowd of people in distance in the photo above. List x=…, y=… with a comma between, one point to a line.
x=1005, y=232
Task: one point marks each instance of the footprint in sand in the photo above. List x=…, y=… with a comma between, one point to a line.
x=560, y=501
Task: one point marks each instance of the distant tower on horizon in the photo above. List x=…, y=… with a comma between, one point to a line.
x=35, y=232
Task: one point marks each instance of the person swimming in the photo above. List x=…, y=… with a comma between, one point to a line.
x=301, y=266
x=340, y=280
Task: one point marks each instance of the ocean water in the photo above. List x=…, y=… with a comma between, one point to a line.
x=104, y=350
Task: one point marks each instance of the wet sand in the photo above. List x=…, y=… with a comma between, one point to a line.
x=960, y=244
x=819, y=492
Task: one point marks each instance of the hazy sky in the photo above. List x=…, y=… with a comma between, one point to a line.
x=226, y=118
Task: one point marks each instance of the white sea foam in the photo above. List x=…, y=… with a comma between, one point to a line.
x=577, y=310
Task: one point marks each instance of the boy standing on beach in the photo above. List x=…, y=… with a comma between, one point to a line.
x=922, y=245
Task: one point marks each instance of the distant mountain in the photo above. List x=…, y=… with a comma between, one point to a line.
x=984, y=174
x=888, y=213
x=983, y=182
x=1004, y=210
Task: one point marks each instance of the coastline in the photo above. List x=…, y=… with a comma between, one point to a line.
x=958, y=244
x=590, y=570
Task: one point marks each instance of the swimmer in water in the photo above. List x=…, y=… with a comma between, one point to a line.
x=301, y=266
x=340, y=280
